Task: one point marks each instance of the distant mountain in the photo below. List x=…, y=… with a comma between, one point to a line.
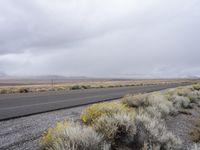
x=42, y=77
x=55, y=77
x=2, y=74
x=193, y=77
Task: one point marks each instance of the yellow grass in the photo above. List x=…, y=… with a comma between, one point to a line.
x=94, y=111
x=50, y=134
x=23, y=87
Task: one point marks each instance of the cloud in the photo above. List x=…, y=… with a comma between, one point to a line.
x=100, y=38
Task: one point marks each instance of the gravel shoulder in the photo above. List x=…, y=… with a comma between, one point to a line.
x=24, y=133
x=183, y=124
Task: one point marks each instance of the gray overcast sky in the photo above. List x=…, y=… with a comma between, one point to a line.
x=100, y=38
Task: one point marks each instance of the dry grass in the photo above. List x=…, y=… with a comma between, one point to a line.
x=34, y=86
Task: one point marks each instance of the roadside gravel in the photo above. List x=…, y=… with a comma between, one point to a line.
x=183, y=124
x=24, y=133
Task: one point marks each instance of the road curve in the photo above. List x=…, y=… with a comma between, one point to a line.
x=18, y=105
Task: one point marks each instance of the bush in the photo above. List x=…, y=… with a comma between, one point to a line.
x=183, y=91
x=180, y=101
x=136, y=100
x=195, y=147
x=94, y=111
x=118, y=128
x=23, y=90
x=50, y=135
x=75, y=87
x=153, y=131
x=86, y=86
x=156, y=100
x=196, y=87
x=162, y=104
x=152, y=111
x=3, y=91
x=195, y=134
x=194, y=96
x=65, y=136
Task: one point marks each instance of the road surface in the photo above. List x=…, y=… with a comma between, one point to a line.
x=18, y=105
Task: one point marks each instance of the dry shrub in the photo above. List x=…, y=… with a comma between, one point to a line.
x=183, y=91
x=196, y=87
x=156, y=101
x=189, y=92
x=94, y=111
x=71, y=136
x=195, y=134
x=181, y=95
x=184, y=111
x=152, y=111
x=180, y=101
x=3, y=91
x=24, y=90
x=136, y=100
x=75, y=87
x=149, y=146
x=163, y=105
x=154, y=132
x=195, y=147
x=194, y=96
x=118, y=128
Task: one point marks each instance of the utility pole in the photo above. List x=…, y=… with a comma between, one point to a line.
x=52, y=84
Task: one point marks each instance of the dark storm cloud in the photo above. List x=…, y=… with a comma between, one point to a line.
x=100, y=38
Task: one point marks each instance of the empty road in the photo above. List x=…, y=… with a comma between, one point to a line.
x=17, y=105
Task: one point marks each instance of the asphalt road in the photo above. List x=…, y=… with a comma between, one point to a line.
x=18, y=105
